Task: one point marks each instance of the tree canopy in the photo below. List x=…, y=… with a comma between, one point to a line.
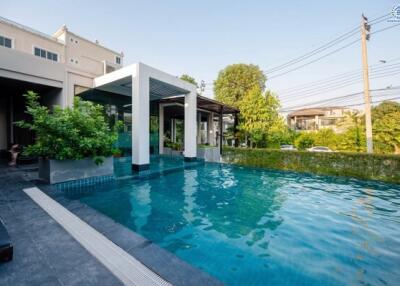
x=386, y=127
x=236, y=80
x=259, y=113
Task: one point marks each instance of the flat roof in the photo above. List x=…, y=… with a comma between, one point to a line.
x=30, y=30
x=206, y=104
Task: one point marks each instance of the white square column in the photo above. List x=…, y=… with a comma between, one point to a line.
x=161, y=129
x=191, y=125
x=198, y=127
x=140, y=120
x=211, y=129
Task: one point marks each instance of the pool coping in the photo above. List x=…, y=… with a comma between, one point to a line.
x=164, y=263
x=125, y=267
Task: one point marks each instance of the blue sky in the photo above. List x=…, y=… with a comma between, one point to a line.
x=202, y=37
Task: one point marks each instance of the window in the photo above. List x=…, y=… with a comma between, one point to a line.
x=45, y=54
x=5, y=42
x=328, y=121
x=118, y=60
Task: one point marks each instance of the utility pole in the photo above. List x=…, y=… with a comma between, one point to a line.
x=365, y=29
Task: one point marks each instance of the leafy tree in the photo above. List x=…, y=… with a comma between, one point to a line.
x=304, y=141
x=258, y=114
x=353, y=137
x=237, y=80
x=189, y=79
x=351, y=119
x=69, y=133
x=281, y=134
x=386, y=127
x=326, y=137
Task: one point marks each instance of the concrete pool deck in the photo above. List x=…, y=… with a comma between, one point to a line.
x=37, y=236
x=44, y=253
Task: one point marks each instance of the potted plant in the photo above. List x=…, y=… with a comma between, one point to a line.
x=167, y=145
x=71, y=143
x=117, y=153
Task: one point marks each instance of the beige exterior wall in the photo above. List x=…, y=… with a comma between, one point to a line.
x=22, y=66
x=87, y=56
x=25, y=41
x=79, y=60
x=3, y=124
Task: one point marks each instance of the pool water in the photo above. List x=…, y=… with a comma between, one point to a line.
x=260, y=227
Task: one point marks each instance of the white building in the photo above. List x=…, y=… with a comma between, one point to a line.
x=65, y=65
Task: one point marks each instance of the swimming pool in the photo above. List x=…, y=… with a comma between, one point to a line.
x=261, y=227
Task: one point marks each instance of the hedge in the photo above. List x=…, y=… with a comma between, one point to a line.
x=359, y=165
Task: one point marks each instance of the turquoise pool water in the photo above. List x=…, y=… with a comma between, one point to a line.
x=260, y=227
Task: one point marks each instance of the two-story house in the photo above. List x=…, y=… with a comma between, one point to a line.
x=152, y=104
x=316, y=118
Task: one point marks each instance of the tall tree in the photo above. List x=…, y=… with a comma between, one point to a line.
x=189, y=79
x=259, y=113
x=386, y=127
x=353, y=137
x=236, y=80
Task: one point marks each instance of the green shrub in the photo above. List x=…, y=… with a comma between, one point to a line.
x=359, y=165
x=69, y=133
x=174, y=146
x=304, y=141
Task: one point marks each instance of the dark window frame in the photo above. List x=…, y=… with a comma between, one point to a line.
x=45, y=54
x=6, y=42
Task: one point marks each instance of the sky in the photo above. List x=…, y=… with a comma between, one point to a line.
x=200, y=38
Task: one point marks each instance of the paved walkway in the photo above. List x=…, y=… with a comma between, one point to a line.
x=44, y=253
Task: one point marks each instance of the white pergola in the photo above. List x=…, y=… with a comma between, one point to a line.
x=144, y=83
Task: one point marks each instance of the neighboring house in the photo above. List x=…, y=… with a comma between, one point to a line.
x=316, y=118
x=65, y=65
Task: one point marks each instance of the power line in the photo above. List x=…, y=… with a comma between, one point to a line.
x=341, y=101
x=345, y=105
x=380, y=92
x=332, y=86
x=315, y=60
x=330, y=53
x=313, y=52
x=373, y=102
x=325, y=46
x=336, y=77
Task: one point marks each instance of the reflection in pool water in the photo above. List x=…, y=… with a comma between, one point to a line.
x=260, y=227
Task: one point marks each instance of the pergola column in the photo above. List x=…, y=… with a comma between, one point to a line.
x=211, y=129
x=198, y=127
x=220, y=131
x=140, y=120
x=190, y=125
x=161, y=128
x=235, y=128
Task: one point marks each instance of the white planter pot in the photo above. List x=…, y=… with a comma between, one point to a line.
x=209, y=154
x=167, y=151
x=58, y=171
